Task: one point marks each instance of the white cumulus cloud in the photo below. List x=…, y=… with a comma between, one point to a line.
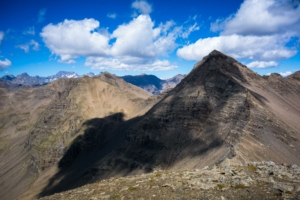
x=129, y=63
x=262, y=64
x=251, y=47
x=70, y=39
x=285, y=74
x=263, y=17
x=4, y=64
x=139, y=38
x=260, y=30
x=142, y=7
x=138, y=43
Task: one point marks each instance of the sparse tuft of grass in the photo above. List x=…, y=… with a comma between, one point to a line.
x=132, y=188
x=221, y=186
x=252, y=167
x=151, y=180
x=158, y=174
x=288, y=192
x=240, y=186
x=116, y=196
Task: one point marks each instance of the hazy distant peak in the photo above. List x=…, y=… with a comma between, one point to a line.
x=23, y=74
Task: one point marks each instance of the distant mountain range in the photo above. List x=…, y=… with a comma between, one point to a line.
x=149, y=83
x=152, y=83
x=25, y=79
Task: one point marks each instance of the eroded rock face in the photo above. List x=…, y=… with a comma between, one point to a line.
x=255, y=180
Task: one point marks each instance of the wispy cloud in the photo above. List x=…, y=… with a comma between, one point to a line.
x=262, y=64
x=41, y=15
x=142, y=7
x=285, y=74
x=4, y=64
x=1, y=36
x=26, y=47
x=112, y=15
x=29, y=31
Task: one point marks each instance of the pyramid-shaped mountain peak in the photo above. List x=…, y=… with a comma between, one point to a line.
x=218, y=111
x=220, y=64
x=215, y=52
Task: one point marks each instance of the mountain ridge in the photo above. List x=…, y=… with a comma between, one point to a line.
x=150, y=83
x=85, y=130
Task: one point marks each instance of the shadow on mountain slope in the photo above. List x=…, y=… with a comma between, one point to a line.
x=100, y=137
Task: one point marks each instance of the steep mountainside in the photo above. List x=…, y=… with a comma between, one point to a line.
x=38, y=124
x=153, y=84
x=222, y=110
x=220, y=113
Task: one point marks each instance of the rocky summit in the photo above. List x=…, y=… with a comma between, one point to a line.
x=129, y=144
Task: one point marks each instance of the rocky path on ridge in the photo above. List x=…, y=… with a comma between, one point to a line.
x=256, y=180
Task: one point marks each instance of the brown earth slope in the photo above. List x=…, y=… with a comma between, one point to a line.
x=38, y=124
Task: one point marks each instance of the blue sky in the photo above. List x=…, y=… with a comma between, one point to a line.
x=157, y=37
